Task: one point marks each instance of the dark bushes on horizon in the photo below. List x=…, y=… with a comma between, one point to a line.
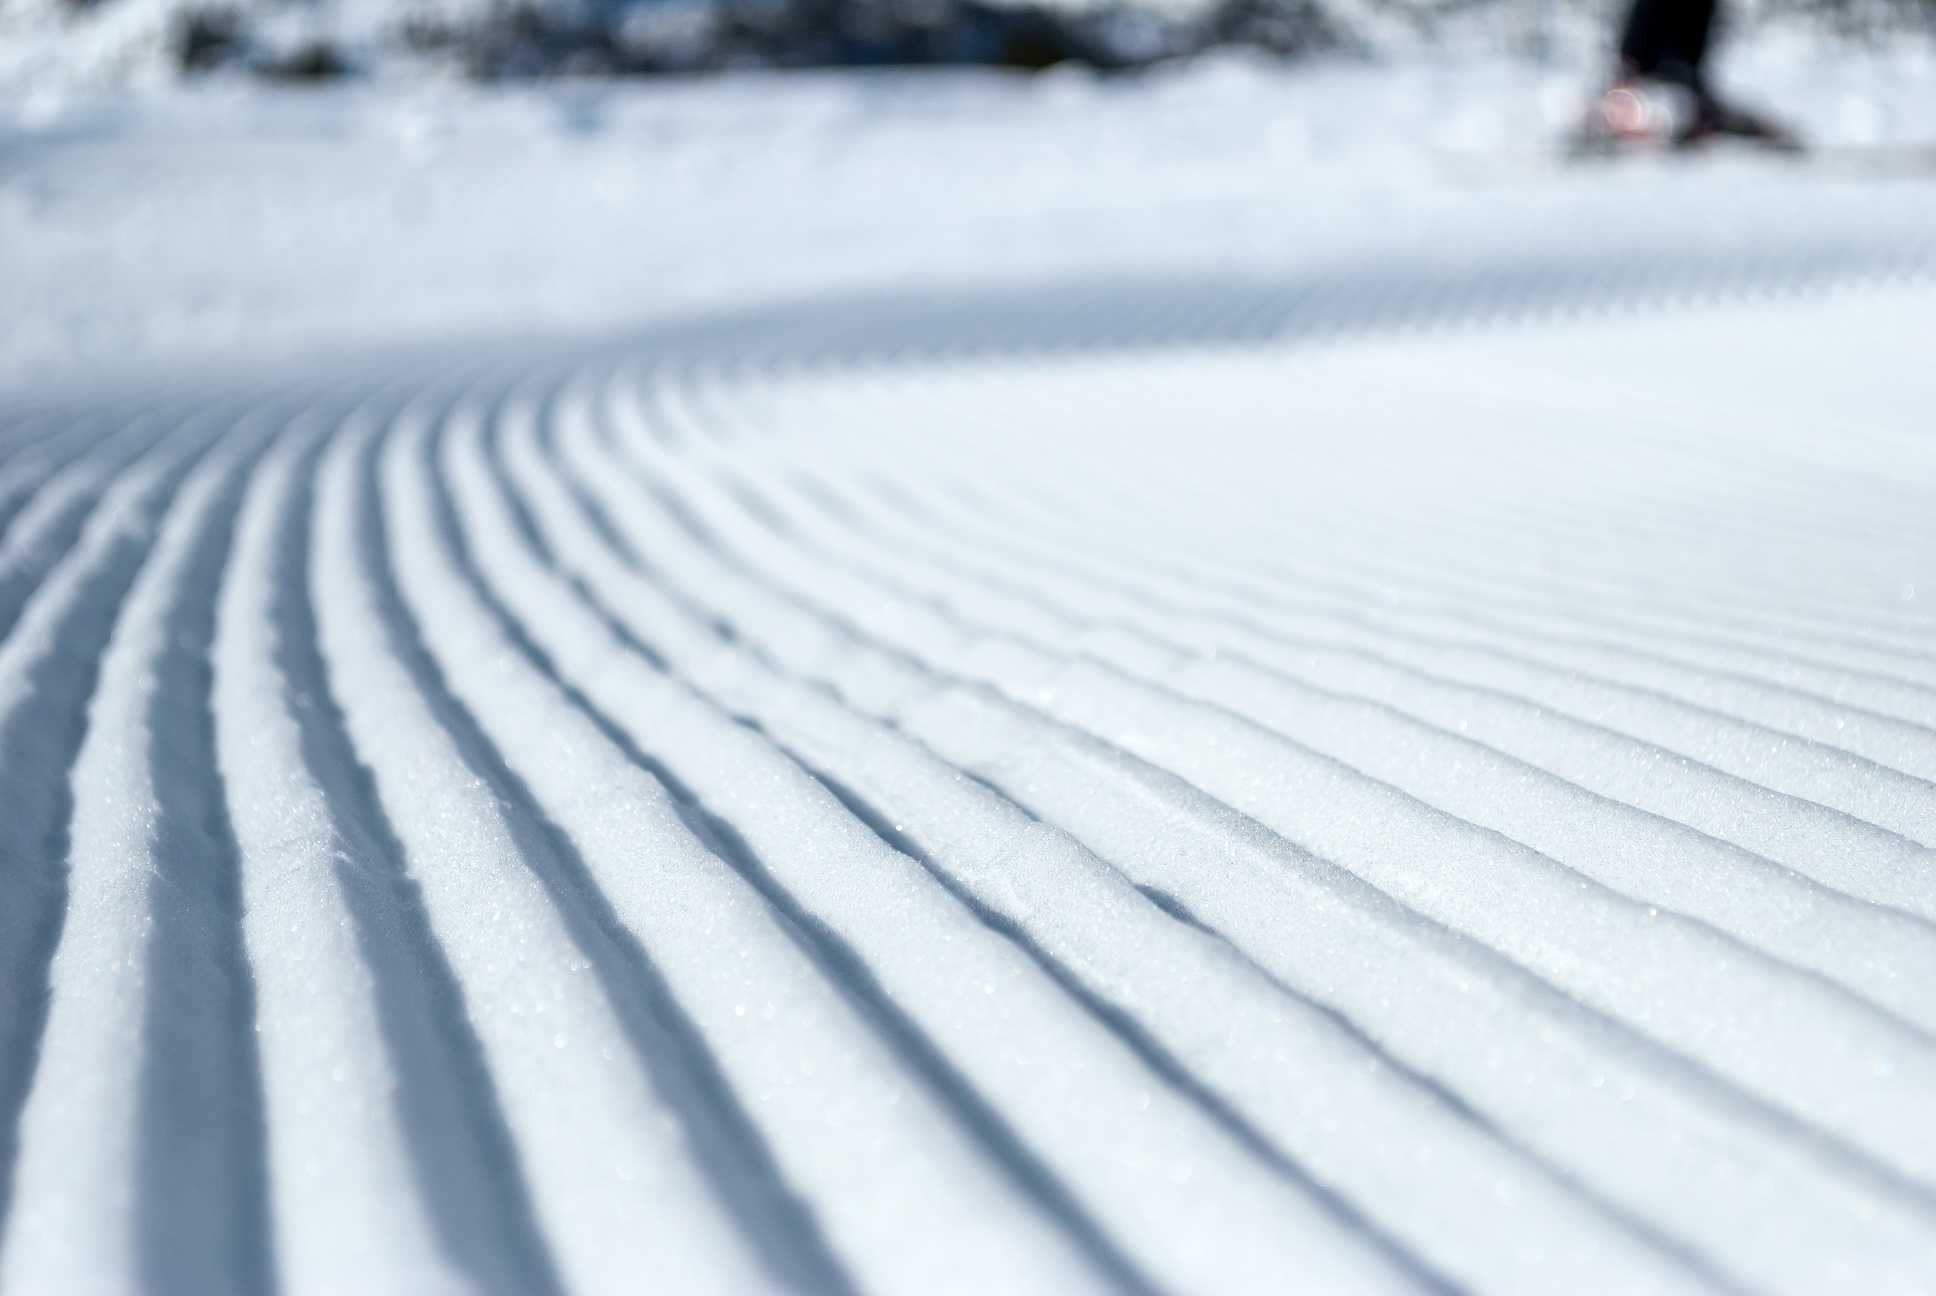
x=540, y=38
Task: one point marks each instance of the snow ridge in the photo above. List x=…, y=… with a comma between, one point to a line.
x=1186, y=818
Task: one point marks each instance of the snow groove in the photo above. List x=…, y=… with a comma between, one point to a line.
x=49, y=668
x=850, y=803
x=779, y=554
x=1875, y=952
x=130, y=1092
x=1023, y=1014
x=365, y=997
x=1151, y=720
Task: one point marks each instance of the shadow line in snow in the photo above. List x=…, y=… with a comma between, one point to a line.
x=728, y=1149
x=1131, y=1033
x=1683, y=1253
x=843, y=967
x=460, y=1147
x=202, y=1210
x=39, y=742
x=26, y=559
x=1688, y=1071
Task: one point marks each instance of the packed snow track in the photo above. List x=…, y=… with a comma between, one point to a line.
x=1177, y=788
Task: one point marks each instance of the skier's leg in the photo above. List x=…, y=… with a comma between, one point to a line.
x=1667, y=39
x=1665, y=43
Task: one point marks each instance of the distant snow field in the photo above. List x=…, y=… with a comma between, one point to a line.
x=1236, y=683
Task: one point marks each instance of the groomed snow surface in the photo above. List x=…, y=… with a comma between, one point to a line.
x=1392, y=775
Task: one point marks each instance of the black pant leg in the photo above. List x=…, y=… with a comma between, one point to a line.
x=1668, y=38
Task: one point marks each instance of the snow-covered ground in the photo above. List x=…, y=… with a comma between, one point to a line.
x=1231, y=682
x=221, y=225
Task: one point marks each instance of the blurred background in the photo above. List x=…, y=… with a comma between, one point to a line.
x=138, y=40
x=216, y=183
